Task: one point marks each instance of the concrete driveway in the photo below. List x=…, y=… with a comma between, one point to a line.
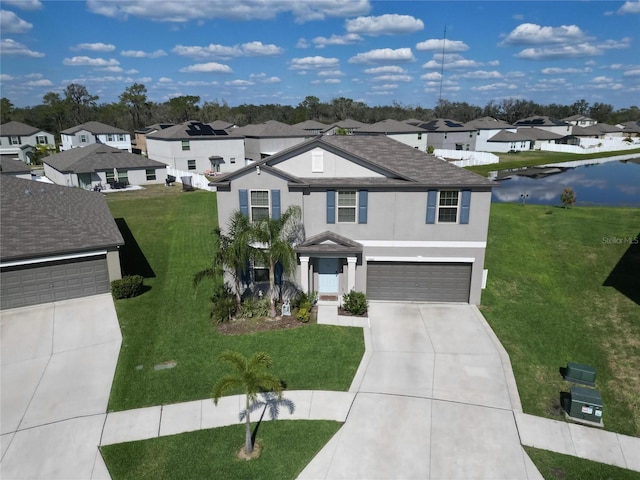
x=436, y=401
x=57, y=366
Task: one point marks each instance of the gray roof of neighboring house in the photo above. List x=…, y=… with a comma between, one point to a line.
x=576, y=118
x=190, y=130
x=538, y=134
x=154, y=128
x=631, y=127
x=221, y=125
x=488, y=123
x=97, y=128
x=390, y=127
x=402, y=165
x=585, y=131
x=540, y=121
x=16, y=129
x=311, y=125
x=606, y=128
x=40, y=219
x=13, y=166
x=347, y=123
x=270, y=128
x=445, y=125
x=98, y=157
x=413, y=121
x=505, y=136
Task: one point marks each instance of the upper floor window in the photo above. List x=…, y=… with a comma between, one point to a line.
x=185, y=145
x=110, y=138
x=41, y=140
x=347, y=207
x=448, y=203
x=121, y=137
x=83, y=139
x=419, y=136
x=259, y=204
x=15, y=141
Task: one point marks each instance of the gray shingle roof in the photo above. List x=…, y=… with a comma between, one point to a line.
x=13, y=166
x=507, y=136
x=98, y=157
x=16, y=129
x=488, y=123
x=40, y=219
x=270, y=128
x=153, y=128
x=631, y=127
x=182, y=131
x=445, y=125
x=389, y=127
x=347, y=123
x=311, y=125
x=540, y=121
x=97, y=128
x=532, y=133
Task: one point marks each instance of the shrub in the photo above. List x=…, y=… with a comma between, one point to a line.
x=127, y=287
x=568, y=197
x=355, y=302
x=430, y=149
x=303, y=315
x=254, y=307
x=224, y=304
x=309, y=298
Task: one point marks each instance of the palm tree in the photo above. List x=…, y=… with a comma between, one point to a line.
x=232, y=254
x=250, y=376
x=277, y=238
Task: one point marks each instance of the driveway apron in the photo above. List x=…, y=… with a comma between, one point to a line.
x=434, y=403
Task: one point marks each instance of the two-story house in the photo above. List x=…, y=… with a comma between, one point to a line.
x=19, y=140
x=411, y=135
x=139, y=144
x=489, y=127
x=343, y=127
x=379, y=217
x=449, y=134
x=262, y=140
x=312, y=127
x=559, y=127
x=95, y=132
x=198, y=147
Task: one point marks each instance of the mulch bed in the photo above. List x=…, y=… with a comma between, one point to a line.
x=343, y=312
x=242, y=326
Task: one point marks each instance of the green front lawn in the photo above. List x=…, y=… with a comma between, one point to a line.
x=564, y=286
x=286, y=448
x=171, y=239
x=555, y=466
x=539, y=157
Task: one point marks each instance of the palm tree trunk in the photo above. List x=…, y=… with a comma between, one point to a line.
x=272, y=289
x=248, y=444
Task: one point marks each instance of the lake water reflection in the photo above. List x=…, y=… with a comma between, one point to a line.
x=606, y=183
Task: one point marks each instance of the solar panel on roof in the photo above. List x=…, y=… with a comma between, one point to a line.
x=451, y=124
x=199, y=129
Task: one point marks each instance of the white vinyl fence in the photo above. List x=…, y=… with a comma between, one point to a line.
x=466, y=158
x=198, y=180
x=593, y=145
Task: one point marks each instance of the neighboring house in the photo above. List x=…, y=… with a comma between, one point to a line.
x=549, y=124
x=197, y=147
x=101, y=166
x=265, y=139
x=489, y=127
x=608, y=131
x=538, y=136
x=15, y=168
x=56, y=243
x=95, y=132
x=343, y=127
x=509, y=141
x=19, y=140
x=631, y=129
x=450, y=134
x=140, y=142
x=312, y=127
x=580, y=120
x=411, y=135
x=379, y=217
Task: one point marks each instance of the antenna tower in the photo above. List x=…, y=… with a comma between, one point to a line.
x=444, y=42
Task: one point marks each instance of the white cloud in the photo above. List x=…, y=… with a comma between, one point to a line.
x=386, y=86
x=560, y=52
x=348, y=39
x=330, y=73
x=331, y=81
x=5, y=78
x=313, y=63
x=303, y=43
x=165, y=80
x=563, y=71
x=83, y=61
x=239, y=83
x=388, y=24
x=207, y=67
x=435, y=45
x=39, y=83
x=482, y=75
x=239, y=10
x=432, y=76
x=95, y=47
x=452, y=61
x=602, y=79
x=384, y=55
x=250, y=49
x=11, y=23
x=264, y=78
x=393, y=78
x=24, y=4
x=386, y=69
x=495, y=86
x=11, y=47
x=532, y=34
x=632, y=73
x=143, y=54
x=112, y=69
x=629, y=7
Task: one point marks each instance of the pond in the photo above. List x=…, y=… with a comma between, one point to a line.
x=612, y=183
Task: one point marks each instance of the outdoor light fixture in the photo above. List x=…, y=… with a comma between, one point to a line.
x=258, y=169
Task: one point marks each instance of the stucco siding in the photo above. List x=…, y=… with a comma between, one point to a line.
x=331, y=166
x=256, y=147
x=414, y=140
x=171, y=153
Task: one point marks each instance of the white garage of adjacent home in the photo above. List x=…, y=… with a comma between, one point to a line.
x=56, y=243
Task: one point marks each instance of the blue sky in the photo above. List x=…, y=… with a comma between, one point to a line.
x=280, y=51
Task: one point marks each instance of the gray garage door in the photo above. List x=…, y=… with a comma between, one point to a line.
x=25, y=285
x=418, y=282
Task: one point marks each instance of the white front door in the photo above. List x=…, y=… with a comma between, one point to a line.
x=328, y=275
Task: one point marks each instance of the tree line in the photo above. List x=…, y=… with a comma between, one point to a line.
x=134, y=110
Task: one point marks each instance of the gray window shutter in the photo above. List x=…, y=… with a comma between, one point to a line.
x=244, y=202
x=275, y=204
x=465, y=207
x=362, y=206
x=331, y=206
x=432, y=199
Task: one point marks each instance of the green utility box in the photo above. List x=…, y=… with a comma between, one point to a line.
x=586, y=404
x=578, y=373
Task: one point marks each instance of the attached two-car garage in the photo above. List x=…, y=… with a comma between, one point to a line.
x=419, y=281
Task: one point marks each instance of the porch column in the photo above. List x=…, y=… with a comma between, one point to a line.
x=304, y=274
x=351, y=273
